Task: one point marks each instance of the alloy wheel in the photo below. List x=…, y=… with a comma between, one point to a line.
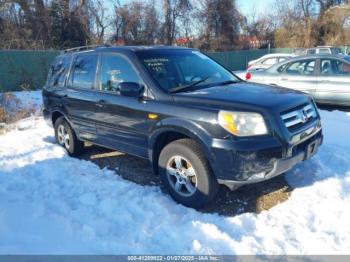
x=182, y=176
x=63, y=136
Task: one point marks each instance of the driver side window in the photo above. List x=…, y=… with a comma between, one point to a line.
x=114, y=70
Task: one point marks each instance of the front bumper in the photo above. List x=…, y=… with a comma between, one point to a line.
x=260, y=159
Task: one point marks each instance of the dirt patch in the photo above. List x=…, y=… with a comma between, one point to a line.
x=251, y=198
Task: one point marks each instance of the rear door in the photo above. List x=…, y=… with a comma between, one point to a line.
x=80, y=99
x=300, y=75
x=334, y=82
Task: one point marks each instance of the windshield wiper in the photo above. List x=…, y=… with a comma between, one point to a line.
x=183, y=88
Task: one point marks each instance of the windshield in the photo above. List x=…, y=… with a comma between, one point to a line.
x=178, y=69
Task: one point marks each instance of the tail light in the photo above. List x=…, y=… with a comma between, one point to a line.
x=248, y=76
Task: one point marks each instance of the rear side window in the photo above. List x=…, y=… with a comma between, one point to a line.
x=84, y=71
x=114, y=70
x=58, y=71
x=311, y=51
x=342, y=68
x=334, y=67
x=327, y=67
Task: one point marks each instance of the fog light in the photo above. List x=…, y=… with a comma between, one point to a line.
x=257, y=176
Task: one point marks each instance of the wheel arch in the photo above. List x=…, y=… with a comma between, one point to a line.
x=173, y=129
x=56, y=113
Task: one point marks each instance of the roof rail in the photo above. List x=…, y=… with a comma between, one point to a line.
x=81, y=48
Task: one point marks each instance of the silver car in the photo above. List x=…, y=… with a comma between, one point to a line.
x=267, y=61
x=325, y=77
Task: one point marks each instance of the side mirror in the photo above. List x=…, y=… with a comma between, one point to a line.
x=131, y=89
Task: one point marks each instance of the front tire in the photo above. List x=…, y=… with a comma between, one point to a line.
x=65, y=136
x=186, y=174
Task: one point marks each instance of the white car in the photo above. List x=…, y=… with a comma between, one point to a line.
x=323, y=50
x=267, y=61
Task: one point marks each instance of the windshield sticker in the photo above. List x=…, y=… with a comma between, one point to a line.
x=156, y=64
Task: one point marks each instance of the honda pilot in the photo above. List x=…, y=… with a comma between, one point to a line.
x=198, y=124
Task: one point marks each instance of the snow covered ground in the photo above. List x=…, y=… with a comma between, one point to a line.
x=51, y=203
x=30, y=98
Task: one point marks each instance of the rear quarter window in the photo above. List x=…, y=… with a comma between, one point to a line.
x=59, y=71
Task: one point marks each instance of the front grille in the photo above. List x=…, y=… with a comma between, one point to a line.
x=299, y=116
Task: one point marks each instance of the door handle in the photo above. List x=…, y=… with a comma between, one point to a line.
x=284, y=78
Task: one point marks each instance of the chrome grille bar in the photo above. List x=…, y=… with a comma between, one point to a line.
x=299, y=116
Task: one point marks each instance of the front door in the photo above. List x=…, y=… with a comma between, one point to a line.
x=122, y=122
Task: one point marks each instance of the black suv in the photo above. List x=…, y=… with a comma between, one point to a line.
x=198, y=124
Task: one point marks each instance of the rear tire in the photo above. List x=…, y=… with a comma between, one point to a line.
x=65, y=136
x=186, y=175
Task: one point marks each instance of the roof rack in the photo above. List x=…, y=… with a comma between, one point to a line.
x=81, y=48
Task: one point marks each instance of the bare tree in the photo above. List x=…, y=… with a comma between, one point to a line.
x=136, y=23
x=221, y=21
x=173, y=11
x=101, y=21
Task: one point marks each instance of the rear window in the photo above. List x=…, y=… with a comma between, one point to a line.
x=58, y=71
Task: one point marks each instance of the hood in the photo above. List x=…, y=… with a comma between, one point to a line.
x=244, y=94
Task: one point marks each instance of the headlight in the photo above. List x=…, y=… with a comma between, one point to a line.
x=243, y=123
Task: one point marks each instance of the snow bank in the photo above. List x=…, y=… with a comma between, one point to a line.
x=23, y=104
x=30, y=99
x=51, y=203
